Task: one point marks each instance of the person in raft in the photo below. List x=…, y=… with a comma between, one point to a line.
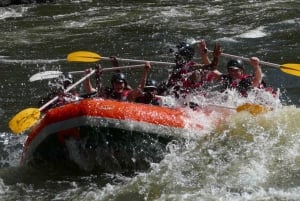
x=236, y=76
x=119, y=89
x=187, y=75
x=58, y=89
x=149, y=95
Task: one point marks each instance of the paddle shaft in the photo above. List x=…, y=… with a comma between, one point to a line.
x=248, y=60
x=67, y=90
x=138, y=61
x=113, y=68
x=289, y=68
x=56, y=74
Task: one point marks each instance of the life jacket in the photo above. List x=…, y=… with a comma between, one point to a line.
x=209, y=76
x=63, y=98
x=111, y=94
x=242, y=84
x=178, y=73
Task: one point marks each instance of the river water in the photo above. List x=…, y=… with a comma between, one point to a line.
x=249, y=158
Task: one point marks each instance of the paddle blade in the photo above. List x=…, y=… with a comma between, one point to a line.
x=83, y=56
x=24, y=120
x=293, y=69
x=252, y=108
x=45, y=75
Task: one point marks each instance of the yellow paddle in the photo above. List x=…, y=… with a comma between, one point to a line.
x=292, y=69
x=24, y=119
x=83, y=56
x=28, y=117
x=289, y=68
x=86, y=56
x=253, y=109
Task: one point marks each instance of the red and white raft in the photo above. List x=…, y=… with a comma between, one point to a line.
x=107, y=135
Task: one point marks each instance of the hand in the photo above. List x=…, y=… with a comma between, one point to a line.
x=202, y=44
x=217, y=50
x=114, y=61
x=147, y=66
x=87, y=71
x=217, y=53
x=254, y=61
x=202, y=47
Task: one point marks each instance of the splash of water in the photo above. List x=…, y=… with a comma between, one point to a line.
x=251, y=157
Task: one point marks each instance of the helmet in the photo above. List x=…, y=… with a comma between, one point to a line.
x=67, y=77
x=235, y=63
x=186, y=50
x=118, y=77
x=150, y=84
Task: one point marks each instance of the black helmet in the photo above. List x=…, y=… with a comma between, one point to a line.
x=118, y=77
x=235, y=63
x=186, y=50
x=150, y=84
x=67, y=77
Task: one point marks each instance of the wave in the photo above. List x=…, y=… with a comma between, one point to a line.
x=255, y=33
x=250, y=158
x=12, y=12
x=30, y=61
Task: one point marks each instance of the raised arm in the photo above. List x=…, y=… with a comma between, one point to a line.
x=203, y=52
x=138, y=91
x=145, y=74
x=257, y=72
x=87, y=83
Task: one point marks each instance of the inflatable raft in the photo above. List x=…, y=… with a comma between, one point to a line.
x=110, y=136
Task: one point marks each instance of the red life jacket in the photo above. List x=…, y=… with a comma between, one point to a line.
x=177, y=76
x=242, y=84
x=119, y=96
x=235, y=83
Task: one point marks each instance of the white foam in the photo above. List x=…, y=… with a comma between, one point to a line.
x=10, y=12
x=175, y=13
x=290, y=21
x=81, y=1
x=74, y=24
x=255, y=33
x=30, y=61
x=3, y=187
x=226, y=39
